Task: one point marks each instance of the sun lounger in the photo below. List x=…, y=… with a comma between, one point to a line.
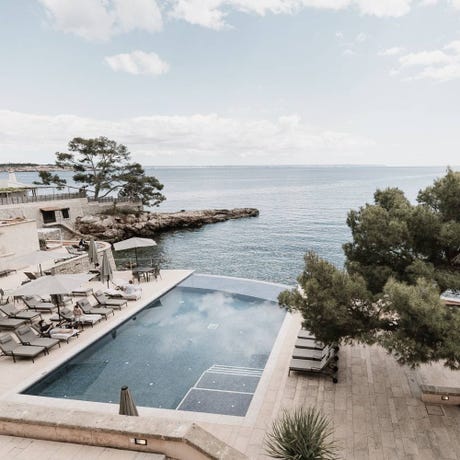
x=326, y=366
x=27, y=336
x=62, y=333
x=304, y=334
x=35, y=303
x=10, y=347
x=105, y=302
x=10, y=323
x=136, y=294
x=12, y=312
x=88, y=309
x=67, y=315
x=311, y=344
x=83, y=292
x=305, y=353
x=32, y=276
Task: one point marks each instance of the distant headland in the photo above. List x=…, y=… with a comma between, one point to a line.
x=28, y=167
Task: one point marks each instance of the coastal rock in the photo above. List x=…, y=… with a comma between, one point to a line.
x=147, y=224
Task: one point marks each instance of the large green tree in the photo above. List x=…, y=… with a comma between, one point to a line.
x=400, y=259
x=104, y=167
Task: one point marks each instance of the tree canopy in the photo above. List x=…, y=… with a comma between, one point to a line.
x=401, y=257
x=103, y=167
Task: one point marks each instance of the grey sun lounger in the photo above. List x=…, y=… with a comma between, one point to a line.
x=10, y=323
x=326, y=366
x=67, y=315
x=35, y=303
x=311, y=344
x=304, y=334
x=306, y=353
x=10, y=347
x=82, y=292
x=103, y=300
x=12, y=312
x=88, y=309
x=61, y=333
x=27, y=336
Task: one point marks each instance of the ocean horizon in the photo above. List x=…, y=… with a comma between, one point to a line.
x=301, y=209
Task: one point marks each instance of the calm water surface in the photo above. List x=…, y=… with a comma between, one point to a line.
x=301, y=208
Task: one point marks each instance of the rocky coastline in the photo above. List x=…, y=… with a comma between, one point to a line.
x=148, y=224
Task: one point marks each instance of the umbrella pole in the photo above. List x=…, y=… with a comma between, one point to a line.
x=137, y=262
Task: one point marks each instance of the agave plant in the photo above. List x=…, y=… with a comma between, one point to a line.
x=301, y=435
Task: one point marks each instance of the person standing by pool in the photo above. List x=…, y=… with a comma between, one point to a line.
x=77, y=314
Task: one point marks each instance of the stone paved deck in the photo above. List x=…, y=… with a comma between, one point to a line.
x=375, y=408
x=26, y=449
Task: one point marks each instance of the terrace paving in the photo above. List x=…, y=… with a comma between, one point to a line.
x=375, y=408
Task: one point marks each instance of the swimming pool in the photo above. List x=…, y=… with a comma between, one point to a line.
x=195, y=348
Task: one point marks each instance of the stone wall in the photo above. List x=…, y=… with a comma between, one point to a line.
x=81, y=264
x=77, y=207
x=17, y=237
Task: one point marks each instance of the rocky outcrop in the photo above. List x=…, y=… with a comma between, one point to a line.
x=147, y=224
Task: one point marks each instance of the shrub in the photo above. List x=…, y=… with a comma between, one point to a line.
x=301, y=435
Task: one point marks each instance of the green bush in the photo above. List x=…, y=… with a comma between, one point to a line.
x=301, y=435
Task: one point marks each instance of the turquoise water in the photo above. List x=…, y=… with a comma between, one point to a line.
x=301, y=208
x=194, y=349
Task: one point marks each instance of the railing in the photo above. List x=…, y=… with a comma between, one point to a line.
x=64, y=196
x=38, y=198
x=111, y=199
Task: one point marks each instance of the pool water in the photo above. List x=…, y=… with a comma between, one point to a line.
x=192, y=349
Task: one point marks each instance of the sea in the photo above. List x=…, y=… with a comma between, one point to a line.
x=302, y=208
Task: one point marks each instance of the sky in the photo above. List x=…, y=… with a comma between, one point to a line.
x=233, y=82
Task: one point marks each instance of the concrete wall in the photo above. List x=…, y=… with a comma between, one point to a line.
x=176, y=440
x=17, y=238
x=78, y=207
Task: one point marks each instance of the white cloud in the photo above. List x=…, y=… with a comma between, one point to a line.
x=439, y=65
x=138, y=63
x=391, y=51
x=384, y=8
x=99, y=19
x=453, y=46
x=339, y=35
x=138, y=14
x=212, y=13
x=195, y=139
x=361, y=37
x=424, y=58
x=348, y=52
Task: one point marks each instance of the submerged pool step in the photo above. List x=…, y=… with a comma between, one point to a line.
x=221, y=389
x=235, y=370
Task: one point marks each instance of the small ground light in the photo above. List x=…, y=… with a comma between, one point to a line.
x=140, y=442
x=445, y=398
